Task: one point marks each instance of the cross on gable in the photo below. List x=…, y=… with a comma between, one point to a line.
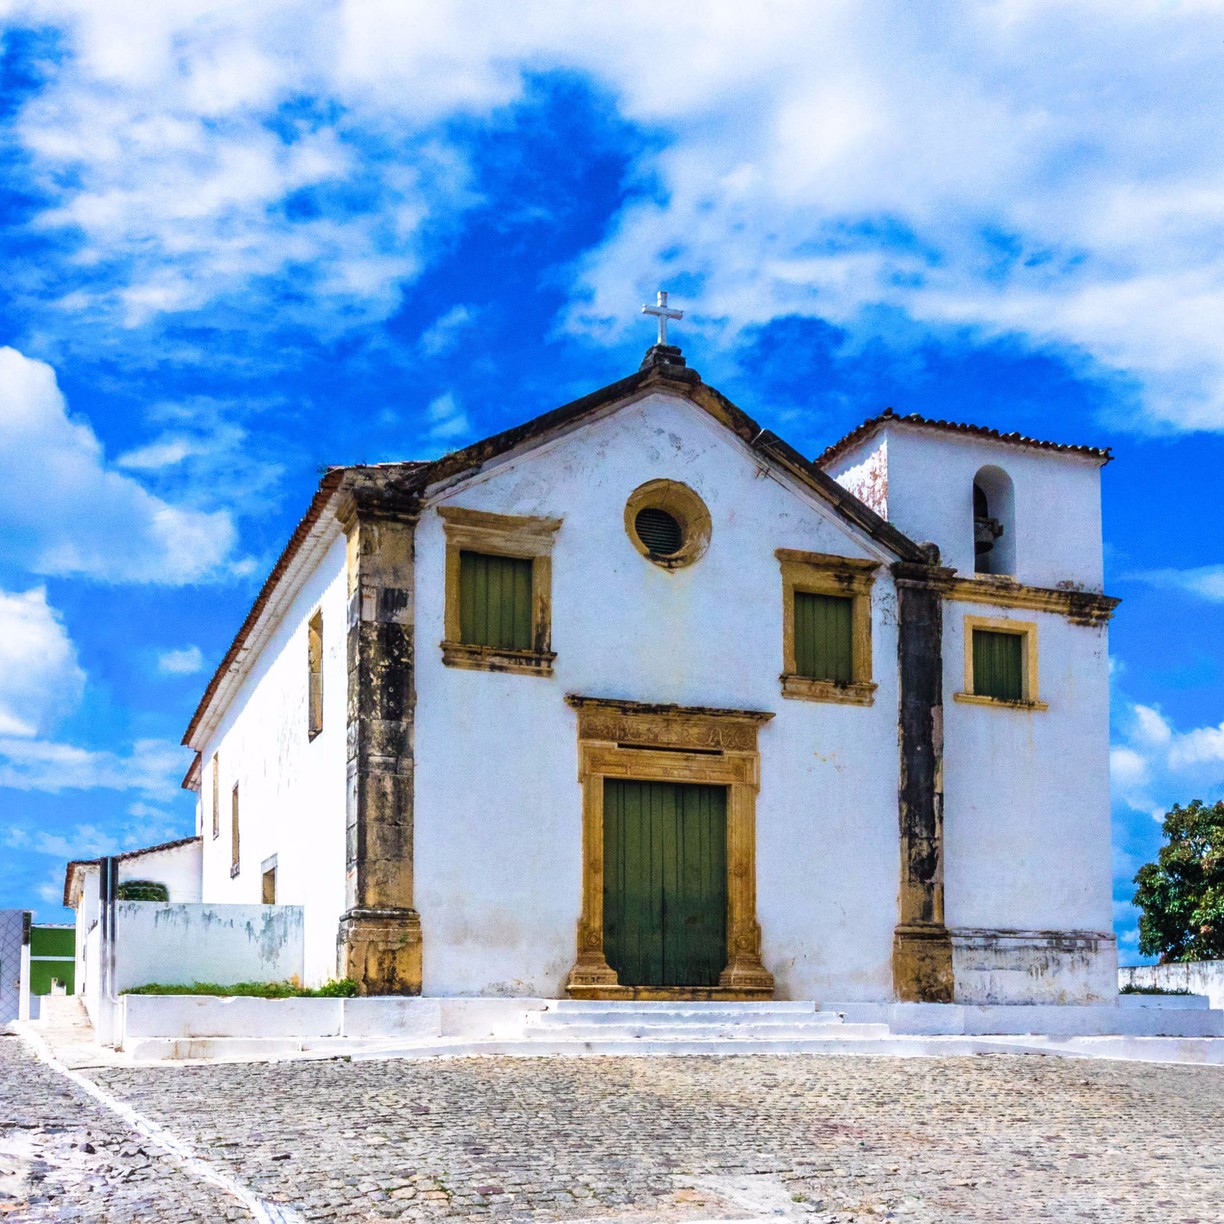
x=662, y=312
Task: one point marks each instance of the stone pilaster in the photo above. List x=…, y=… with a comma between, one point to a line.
x=922, y=948
x=380, y=931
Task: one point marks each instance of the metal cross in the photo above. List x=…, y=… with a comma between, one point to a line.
x=663, y=312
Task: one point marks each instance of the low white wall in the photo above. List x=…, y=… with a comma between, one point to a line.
x=181, y=944
x=1198, y=977
x=1017, y=967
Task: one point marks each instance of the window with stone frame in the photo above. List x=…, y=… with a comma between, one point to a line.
x=826, y=627
x=1000, y=663
x=498, y=591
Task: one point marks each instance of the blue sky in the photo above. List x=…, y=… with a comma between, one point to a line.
x=244, y=241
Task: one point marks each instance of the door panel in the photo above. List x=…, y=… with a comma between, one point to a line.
x=665, y=882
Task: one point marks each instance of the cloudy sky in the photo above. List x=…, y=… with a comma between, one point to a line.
x=244, y=240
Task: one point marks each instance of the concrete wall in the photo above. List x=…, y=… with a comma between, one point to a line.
x=291, y=787
x=498, y=814
x=922, y=480
x=182, y=944
x=1198, y=977
x=179, y=868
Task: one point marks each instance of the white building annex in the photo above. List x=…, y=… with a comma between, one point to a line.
x=635, y=701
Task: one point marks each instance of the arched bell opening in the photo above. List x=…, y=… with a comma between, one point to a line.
x=994, y=522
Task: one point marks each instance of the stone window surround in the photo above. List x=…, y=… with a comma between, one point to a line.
x=685, y=506
x=527, y=537
x=827, y=574
x=660, y=743
x=1027, y=631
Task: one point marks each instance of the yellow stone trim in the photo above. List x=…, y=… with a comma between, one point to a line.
x=1081, y=607
x=1027, y=630
x=660, y=743
x=687, y=507
x=507, y=535
x=827, y=574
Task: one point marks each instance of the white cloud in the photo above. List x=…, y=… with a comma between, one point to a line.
x=444, y=332
x=153, y=768
x=1205, y=581
x=165, y=452
x=448, y=423
x=808, y=159
x=1155, y=765
x=65, y=511
x=39, y=673
x=185, y=662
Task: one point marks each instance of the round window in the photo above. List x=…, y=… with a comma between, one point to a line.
x=667, y=523
x=659, y=531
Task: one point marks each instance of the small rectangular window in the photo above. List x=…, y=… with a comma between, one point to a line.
x=495, y=601
x=824, y=637
x=234, y=833
x=216, y=795
x=314, y=651
x=998, y=665
x=268, y=893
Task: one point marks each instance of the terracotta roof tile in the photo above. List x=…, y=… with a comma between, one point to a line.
x=869, y=426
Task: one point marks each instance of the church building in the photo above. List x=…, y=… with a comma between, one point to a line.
x=636, y=701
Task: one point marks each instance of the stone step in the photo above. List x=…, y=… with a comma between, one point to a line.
x=731, y=1007
x=708, y=1031
x=672, y=1014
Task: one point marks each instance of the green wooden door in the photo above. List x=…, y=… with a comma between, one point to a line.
x=665, y=882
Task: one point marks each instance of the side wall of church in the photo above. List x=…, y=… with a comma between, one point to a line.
x=1027, y=820
x=498, y=804
x=291, y=787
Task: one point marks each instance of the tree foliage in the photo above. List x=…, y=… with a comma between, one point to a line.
x=1182, y=893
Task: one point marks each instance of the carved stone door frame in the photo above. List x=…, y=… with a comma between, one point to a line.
x=667, y=743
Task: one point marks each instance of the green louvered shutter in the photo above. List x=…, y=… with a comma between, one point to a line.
x=495, y=601
x=997, y=665
x=823, y=637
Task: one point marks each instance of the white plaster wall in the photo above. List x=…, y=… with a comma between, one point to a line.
x=1198, y=977
x=1026, y=792
x=292, y=788
x=498, y=818
x=179, y=869
x=928, y=476
x=181, y=944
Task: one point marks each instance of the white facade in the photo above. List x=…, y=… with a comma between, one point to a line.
x=505, y=861
x=291, y=787
x=497, y=804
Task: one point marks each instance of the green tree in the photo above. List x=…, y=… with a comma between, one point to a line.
x=1182, y=893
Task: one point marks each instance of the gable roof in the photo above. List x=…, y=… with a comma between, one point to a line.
x=75, y=864
x=861, y=432
x=402, y=485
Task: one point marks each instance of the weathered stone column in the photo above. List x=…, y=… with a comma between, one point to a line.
x=380, y=932
x=922, y=948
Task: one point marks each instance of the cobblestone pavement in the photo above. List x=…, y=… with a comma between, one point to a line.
x=63, y=1156
x=812, y=1138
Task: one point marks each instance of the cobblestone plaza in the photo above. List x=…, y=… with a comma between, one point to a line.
x=838, y=1138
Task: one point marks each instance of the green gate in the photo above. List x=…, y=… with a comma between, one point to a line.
x=665, y=882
